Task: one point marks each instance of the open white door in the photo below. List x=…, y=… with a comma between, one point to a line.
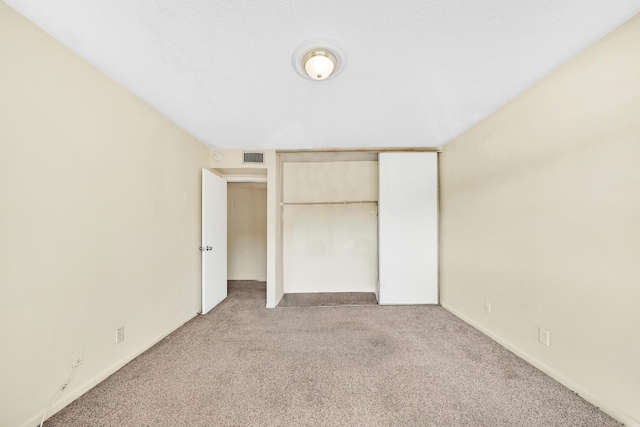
x=214, y=240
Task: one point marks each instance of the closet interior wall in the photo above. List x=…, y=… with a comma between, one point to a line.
x=329, y=214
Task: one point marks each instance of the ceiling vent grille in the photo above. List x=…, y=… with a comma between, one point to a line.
x=253, y=157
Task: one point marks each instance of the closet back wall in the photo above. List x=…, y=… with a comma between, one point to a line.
x=330, y=226
x=247, y=231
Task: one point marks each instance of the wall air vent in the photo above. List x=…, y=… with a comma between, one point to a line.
x=251, y=157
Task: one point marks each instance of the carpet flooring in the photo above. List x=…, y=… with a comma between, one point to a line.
x=245, y=365
x=328, y=299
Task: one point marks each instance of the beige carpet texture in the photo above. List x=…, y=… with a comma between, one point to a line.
x=328, y=299
x=245, y=365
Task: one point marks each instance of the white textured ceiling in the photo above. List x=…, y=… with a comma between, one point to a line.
x=418, y=73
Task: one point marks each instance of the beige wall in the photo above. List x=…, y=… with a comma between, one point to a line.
x=540, y=208
x=247, y=231
x=330, y=247
x=322, y=182
x=99, y=222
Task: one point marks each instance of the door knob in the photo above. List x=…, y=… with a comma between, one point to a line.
x=207, y=248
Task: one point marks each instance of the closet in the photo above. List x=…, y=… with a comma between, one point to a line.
x=362, y=222
x=329, y=226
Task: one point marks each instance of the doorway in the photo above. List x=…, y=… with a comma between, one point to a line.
x=247, y=222
x=247, y=231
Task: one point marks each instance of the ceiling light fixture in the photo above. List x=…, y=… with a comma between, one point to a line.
x=318, y=60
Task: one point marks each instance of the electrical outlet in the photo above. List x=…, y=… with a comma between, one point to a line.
x=487, y=306
x=543, y=336
x=119, y=335
x=77, y=357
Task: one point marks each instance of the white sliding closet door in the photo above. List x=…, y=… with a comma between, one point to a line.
x=408, y=228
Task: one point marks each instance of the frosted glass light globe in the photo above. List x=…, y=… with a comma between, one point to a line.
x=319, y=64
x=318, y=60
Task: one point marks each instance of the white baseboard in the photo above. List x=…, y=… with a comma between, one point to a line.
x=585, y=394
x=66, y=399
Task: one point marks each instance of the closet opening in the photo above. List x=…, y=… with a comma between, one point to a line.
x=329, y=228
